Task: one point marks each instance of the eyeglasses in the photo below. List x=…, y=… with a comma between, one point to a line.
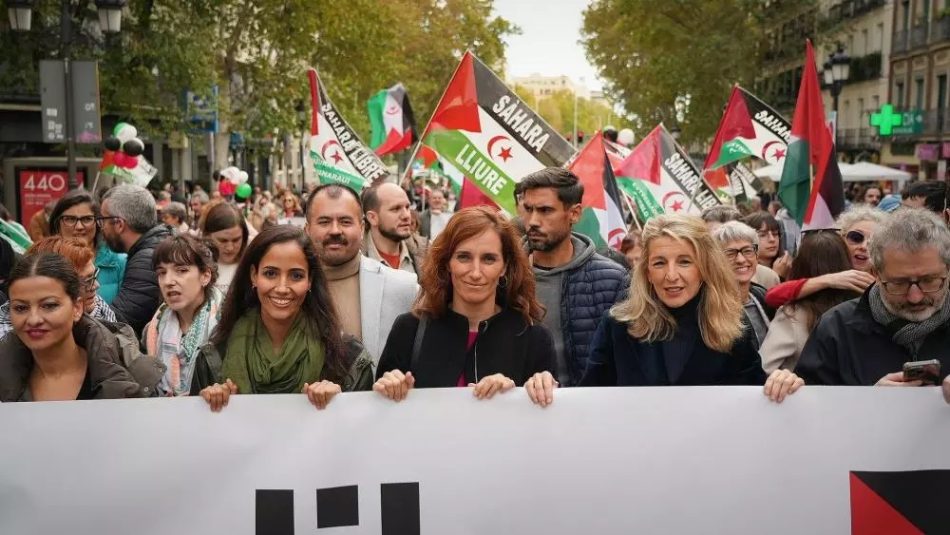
x=89, y=283
x=927, y=285
x=101, y=221
x=71, y=220
x=749, y=251
x=855, y=237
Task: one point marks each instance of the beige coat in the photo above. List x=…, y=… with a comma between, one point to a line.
x=787, y=335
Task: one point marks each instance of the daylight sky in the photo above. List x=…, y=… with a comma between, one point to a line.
x=548, y=44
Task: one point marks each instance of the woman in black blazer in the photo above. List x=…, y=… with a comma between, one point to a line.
x=476, y=322
x=682, y=321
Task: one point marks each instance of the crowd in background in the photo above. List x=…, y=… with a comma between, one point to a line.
x=137, y=293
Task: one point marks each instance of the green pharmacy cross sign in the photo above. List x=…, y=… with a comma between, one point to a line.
x=890, y=122
x=886, y=120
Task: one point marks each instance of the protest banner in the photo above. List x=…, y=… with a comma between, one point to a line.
x=604, y=461
x=337, y=152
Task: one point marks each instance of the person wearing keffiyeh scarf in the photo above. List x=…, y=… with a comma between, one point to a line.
x=184, y=322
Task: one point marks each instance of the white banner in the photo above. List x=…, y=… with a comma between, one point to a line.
x=598, y=461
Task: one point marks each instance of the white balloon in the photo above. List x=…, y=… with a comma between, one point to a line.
x=242, y=177
x=625, y=137
x=126, y=133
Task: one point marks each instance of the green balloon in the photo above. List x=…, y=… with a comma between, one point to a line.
x=244, y=191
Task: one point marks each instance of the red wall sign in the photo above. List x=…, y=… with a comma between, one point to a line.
x=40, y=186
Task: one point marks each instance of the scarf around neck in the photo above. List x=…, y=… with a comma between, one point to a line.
x=908, y=334
x=178, y=351
x=256, y=368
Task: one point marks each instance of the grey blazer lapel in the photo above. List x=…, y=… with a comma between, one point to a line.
x=372, y=285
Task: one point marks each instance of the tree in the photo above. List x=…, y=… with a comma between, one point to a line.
x=677, y=58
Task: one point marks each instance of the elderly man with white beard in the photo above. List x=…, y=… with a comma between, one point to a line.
x=903, y=317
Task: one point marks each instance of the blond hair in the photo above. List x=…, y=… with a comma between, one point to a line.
x=720, y=309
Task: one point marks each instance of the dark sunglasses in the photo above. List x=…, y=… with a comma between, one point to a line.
x=855, y=237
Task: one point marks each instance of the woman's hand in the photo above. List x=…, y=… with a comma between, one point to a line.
x=491, y=385
x=782, y=383
x=946, y=389
x=852, y=279
x=782, y=265
x=321, y=393
x=217, y=395
x=540, y=388
x=395, y=385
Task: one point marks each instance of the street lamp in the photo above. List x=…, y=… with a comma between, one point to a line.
x=21, y=14
x=836, y=72
x=110, y=21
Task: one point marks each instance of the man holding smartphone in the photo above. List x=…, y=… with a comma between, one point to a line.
x=898, y=332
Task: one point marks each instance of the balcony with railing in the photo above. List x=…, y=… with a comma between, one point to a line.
x=901, y=40
x=857, y=138
x=918, y=36
x=940, y=30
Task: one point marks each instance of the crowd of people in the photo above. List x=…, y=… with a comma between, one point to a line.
x=132, y=293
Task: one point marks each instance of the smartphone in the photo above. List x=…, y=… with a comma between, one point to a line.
x=927, y=371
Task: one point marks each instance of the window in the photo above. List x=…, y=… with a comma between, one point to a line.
x=899, y=95
x=919, y=93
x=860, y=111
x=865, y=45
x=875, y=103
x=879, y=38
x=942, y=92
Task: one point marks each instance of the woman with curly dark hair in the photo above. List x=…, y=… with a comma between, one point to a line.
x=476, y=322
x=278, y=332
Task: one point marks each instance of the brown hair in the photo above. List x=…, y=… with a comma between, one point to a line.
x=186, y=250
x=517, y=294
x=223, y=216
x=76, y=251
x=820, y=253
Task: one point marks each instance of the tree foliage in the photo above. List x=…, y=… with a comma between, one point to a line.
x=558, y=110
x=256, y=52
x=674, y=59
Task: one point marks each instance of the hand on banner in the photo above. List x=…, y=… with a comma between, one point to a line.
x=782, y=265
x=217, y=395
x=781, y=384
x=897, y=379
x=852, y=279
x=946, y=389
x=395, y=385
x=321, y=393
x=491, y=385
x=540, y=388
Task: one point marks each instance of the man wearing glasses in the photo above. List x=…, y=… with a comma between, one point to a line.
x=129, y=225
x=903, y=317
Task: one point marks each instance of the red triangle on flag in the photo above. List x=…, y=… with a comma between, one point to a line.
x=458, y=108
x=644, y=161
x=872, y=515
x=736, y=122
x=589, y=168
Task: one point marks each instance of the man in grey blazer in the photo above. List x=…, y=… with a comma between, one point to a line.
x=366, y=294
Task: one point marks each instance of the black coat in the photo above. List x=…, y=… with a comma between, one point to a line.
x=138, y=297
x=617, y=359
x=847, y=347
x=505, y=345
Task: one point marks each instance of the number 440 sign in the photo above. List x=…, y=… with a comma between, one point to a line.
x=39, y=187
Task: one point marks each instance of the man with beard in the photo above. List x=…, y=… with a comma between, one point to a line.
x=904, y=317
x=389, y=240
x=574, y=283
x=366, y=294
x=129, y=224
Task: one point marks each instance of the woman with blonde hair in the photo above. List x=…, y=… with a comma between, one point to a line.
x=682, y=321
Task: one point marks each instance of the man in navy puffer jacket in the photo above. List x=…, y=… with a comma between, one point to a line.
x=574, y=283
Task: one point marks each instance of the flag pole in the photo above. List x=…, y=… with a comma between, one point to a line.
x=425, y=132
x=633, y=213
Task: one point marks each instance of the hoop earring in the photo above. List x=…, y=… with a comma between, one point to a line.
x=503, y=282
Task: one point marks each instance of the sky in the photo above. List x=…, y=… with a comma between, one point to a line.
x=548, y=44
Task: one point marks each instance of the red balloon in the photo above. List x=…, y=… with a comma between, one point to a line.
x=131, y=161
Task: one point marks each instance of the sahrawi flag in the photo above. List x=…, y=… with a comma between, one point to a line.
x=486, y=139
x=601, y=219
x=661, y=178
x=391, y=121
x=337, y=152
x=811, y=153
x=749, y=128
